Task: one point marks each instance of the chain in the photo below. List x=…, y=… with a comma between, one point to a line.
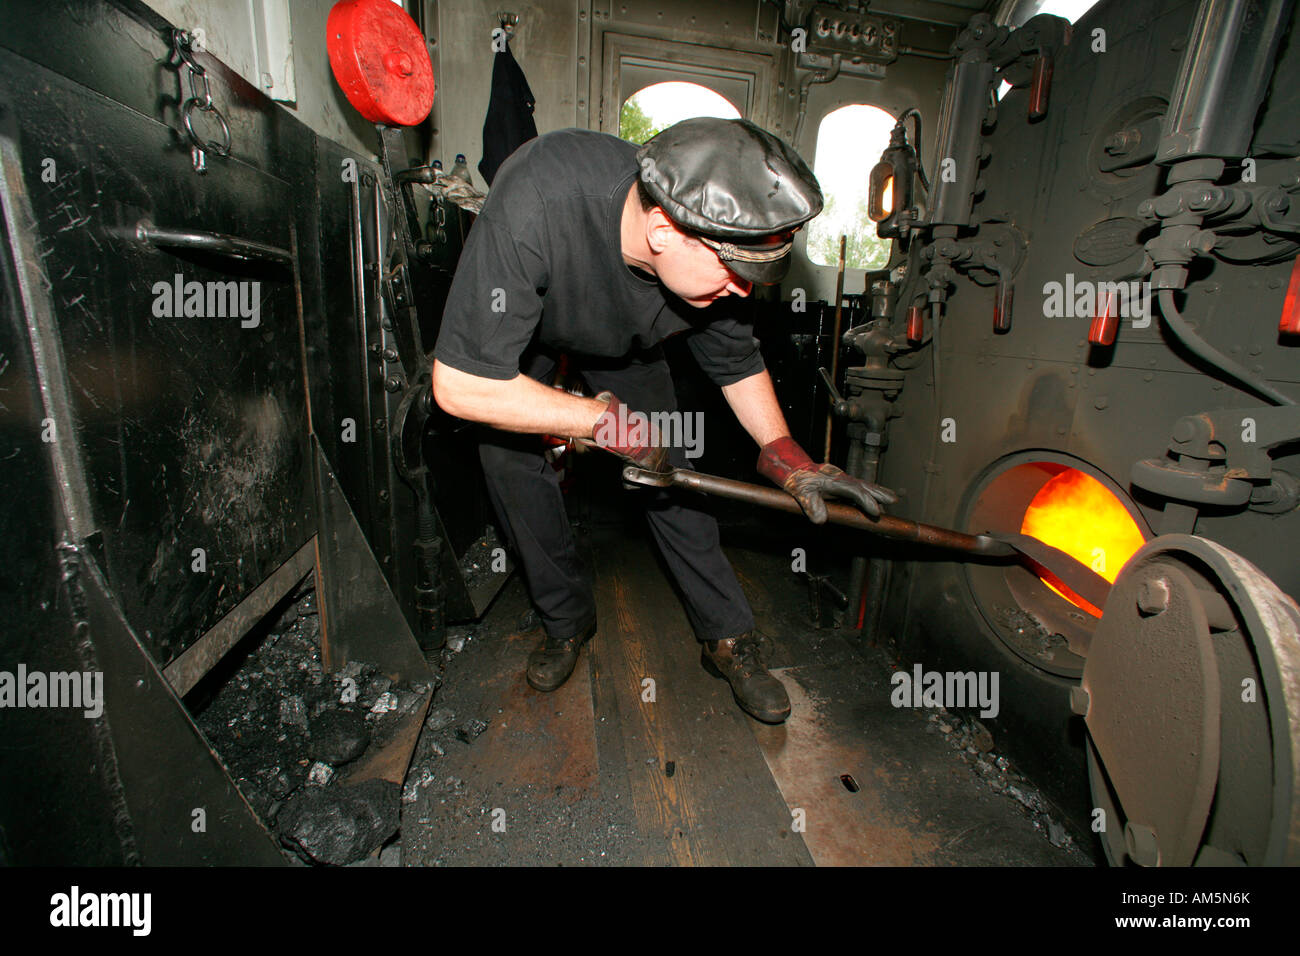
x=440, y=220
x=200, y=99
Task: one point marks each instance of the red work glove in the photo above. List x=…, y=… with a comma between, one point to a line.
x=784, y=463
x=627, y=434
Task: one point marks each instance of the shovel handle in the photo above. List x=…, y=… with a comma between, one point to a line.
x=887, y=526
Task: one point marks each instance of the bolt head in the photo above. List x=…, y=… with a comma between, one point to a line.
x=1142, y=844
x=1153, y=596
x=1079, y=701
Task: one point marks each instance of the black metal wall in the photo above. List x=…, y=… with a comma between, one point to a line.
x=1042, y=388
x=192, y=433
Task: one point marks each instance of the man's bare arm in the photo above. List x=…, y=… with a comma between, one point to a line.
x=520, y=404
x=756, y=407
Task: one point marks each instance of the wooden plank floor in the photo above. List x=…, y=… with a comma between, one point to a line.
x=720, y=804
x=598, y=773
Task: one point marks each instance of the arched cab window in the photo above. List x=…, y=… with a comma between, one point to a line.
x=1017, y=13
x=849, y=141
x=655, y=108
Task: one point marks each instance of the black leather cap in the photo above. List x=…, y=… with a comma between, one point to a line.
x=738, y=186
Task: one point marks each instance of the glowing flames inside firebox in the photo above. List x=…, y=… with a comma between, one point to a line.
x=1078, y=514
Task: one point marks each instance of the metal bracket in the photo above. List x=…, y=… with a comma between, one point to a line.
x=1215, y=463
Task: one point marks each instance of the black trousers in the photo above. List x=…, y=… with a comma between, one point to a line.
x=525, y=492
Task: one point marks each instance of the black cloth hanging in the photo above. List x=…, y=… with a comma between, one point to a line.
x=509, y=123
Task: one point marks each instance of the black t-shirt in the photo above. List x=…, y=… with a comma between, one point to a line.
x=543, y=263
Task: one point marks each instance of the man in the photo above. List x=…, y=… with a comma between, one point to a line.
x=590, y=246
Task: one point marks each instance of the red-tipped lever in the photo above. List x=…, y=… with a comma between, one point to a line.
x=1041, y=87
x=1106, y=322
x=1290, y=322
x=915, y=325
x=1002, y=306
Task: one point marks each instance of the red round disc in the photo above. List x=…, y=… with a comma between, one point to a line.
x=380, y=59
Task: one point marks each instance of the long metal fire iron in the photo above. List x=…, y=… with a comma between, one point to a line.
x=1050, y=563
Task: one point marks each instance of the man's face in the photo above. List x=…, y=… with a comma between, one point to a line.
x=692, y=271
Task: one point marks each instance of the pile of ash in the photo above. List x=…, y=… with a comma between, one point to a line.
x=288, y=733
x=973, y=740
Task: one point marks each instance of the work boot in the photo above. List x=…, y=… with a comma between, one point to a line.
x=551, y=664
x=737, y=660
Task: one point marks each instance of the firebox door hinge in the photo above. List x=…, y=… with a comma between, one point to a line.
x=1222, y=458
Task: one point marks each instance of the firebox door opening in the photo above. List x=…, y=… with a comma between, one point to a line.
x=1066, y=503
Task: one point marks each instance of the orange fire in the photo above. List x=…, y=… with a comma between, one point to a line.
x=1078, y=514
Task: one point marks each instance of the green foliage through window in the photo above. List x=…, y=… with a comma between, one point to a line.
x=634, y=126
x=863, y=250
x=654, y=108
x=849, y=142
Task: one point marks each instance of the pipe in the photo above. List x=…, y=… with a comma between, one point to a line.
x=869, y=598
x=857, y=466
x=915, y=114
x=1200, y=348
x=873, y=596
x=835, y=346
x=820, y=76
x=1223, y=78
x=959, y=139
x=928, y=54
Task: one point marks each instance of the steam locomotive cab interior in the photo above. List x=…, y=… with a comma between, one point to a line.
x=254, y=568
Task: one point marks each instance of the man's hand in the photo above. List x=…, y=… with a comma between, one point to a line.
x=627, y=434
x=784, y=463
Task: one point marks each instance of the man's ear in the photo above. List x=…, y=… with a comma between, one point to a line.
x=660, y=231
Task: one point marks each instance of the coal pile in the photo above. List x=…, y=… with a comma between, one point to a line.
x=442, y=726
x=340, y=825
x=483, y=561
x=289, y=733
